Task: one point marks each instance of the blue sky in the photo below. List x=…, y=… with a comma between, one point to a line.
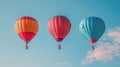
x=76, y=51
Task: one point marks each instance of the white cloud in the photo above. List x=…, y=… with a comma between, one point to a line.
x=64, y=63
x=106, y=51
x=115, y=34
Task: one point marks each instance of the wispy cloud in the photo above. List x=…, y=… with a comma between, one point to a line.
x=63, y=63
x=106, y=51
x=114, y=34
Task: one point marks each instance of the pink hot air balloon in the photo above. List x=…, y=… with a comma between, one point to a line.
x=59, y=27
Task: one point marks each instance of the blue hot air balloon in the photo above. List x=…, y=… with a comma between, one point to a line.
x=92, y=28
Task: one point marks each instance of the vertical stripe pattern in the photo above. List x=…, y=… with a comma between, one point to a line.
x=59, y=27
x=92, y=28
x=26, y=27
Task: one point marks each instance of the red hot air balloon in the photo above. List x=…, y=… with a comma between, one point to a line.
x=59, y=27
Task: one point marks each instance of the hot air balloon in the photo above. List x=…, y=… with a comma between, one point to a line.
x=92, y=28
x=59, y=27
x=26, y=27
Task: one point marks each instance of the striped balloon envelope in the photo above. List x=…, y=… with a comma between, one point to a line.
x=26, y=27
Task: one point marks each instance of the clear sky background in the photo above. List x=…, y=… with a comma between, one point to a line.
x=76, y=51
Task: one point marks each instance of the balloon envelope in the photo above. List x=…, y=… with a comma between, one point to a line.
x=92, y=28
x=26, y=27
x=59, y=27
